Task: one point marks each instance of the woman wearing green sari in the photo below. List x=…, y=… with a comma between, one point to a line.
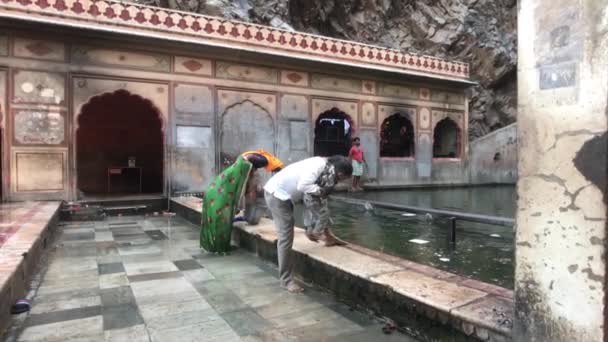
x=223, y=195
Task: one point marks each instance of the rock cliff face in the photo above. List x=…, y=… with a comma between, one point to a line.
x=480, y=32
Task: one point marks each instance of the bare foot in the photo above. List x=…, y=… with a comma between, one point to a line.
x=311, y=236
x=331, y=240
x=292, y=287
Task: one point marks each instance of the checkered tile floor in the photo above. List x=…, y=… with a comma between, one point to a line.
x=145, y=279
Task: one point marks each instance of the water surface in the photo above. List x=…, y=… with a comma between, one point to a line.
x=483, y=252
x=487, y=200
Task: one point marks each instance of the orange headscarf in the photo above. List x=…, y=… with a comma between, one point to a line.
x=273, y=162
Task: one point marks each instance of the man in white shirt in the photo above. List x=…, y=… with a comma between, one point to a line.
x=309, y=181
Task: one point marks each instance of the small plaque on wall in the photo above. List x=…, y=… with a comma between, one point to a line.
x=194, y=136
x=557, y=76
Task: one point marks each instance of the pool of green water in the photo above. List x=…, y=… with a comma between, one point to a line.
x=483, y=252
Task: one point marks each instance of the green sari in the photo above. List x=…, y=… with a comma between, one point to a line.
x=219, y=206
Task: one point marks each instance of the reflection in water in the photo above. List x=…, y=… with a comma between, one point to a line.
x=483, y=252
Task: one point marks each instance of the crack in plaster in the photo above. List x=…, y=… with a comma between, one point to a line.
x=473, y=301
x=562, y=183
x=375, y=275
x=580, y=132
x=594, y=219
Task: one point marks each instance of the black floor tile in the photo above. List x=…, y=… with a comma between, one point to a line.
x=246, y=322
x=78, y=236
x=115, y=267
x=125, y=223
x=117, y=296
x=188, y=264
x=220, y=297
x=154, y=276
x=121, y=316
x=156, y=234
x=63, y=315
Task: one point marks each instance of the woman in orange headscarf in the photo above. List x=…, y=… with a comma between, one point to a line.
x=264, y=159
x=260, y=158
x=224, y=194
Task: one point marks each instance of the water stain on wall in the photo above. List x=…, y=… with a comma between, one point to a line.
x=591, y=160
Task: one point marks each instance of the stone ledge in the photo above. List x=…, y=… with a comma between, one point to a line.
x=32, y=225
x=402, y=290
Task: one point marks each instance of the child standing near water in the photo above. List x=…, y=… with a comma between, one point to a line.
x=358, y=160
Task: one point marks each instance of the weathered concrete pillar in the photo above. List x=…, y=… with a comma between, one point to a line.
x=561, y=217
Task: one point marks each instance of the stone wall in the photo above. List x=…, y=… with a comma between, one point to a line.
x=483, y=33
x=211, y=107
x=560, y=287
x=493, y=158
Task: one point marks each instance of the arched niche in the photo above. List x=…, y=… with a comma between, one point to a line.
x=334, y=130
x=447, y=139
x=245, y=126
x=112, y=128
x=397, y=136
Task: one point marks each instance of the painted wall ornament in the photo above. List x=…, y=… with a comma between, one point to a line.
x=39, y=128
x=39, y=49
x=107, y=57
x=131, y=17
x=39, y=87
x=246, y=72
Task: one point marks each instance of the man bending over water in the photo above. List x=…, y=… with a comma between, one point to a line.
x=309, y=181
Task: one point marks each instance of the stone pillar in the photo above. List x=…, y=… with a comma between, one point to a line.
x=561, y=218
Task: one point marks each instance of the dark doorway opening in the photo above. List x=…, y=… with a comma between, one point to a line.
x=446, y=139
x=119, y=146
x=333, y=133
x=397, y=137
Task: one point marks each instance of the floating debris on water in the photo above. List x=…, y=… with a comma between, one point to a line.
x=368, y=206
x=444, y=259
x=495, y=235
x=419, y=241
x=408, y=214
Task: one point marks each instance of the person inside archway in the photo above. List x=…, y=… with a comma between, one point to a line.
x=309, y=181
x=224, y=194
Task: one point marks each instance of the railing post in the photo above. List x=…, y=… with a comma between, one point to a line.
x=452, y=230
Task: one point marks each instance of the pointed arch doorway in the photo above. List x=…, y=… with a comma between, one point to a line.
x=119, y=146
x=334, y=130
